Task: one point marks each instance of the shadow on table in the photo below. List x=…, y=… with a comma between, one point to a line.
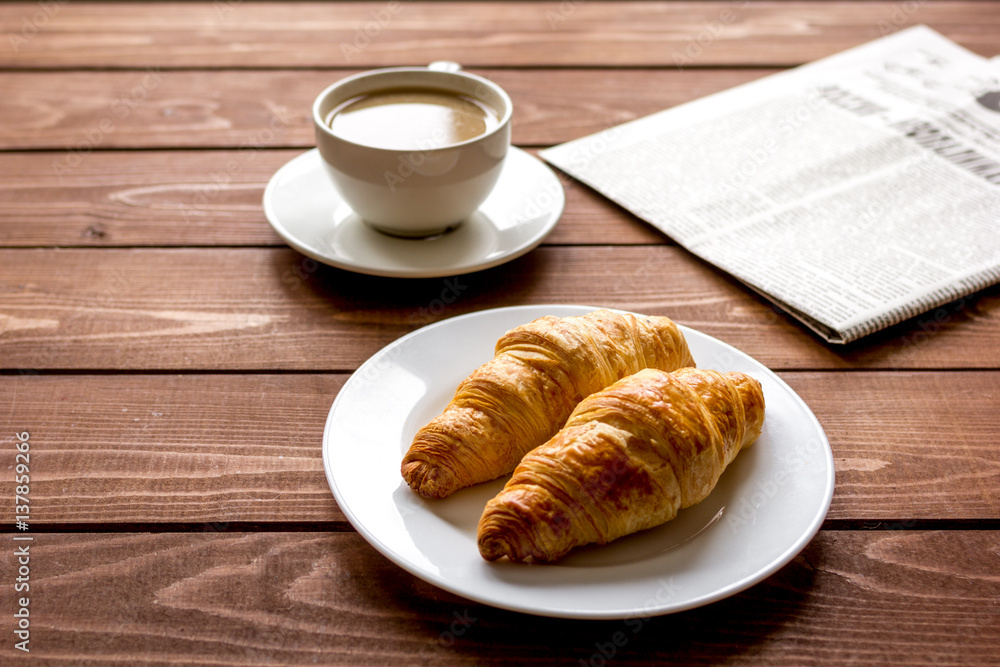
x=465, y=630
x=301, y=277
x=719, y=306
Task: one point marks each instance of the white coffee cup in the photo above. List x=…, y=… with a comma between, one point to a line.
x=414, y=192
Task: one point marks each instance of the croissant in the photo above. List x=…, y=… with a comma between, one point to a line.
x=521, y=397
x=628, y=458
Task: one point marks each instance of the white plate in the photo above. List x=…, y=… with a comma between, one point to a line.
x=769, y=503
x=303, y=207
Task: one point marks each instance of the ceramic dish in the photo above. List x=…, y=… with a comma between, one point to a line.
x=769, y=503
x=305, y=210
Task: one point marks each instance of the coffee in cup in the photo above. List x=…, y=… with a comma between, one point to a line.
x=413, y=151
x=412, y=119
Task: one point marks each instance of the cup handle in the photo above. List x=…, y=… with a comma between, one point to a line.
x=444, y=66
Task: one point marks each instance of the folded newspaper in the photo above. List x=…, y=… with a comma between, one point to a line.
x=854, y=192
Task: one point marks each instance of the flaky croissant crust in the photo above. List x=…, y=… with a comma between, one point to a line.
x=519, y=399
x=628, y=458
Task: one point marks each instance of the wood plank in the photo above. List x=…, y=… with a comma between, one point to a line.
x=79, y=112
x=202, y=198
x=212, y=449
x=138, y=198
x=307, y=598
x=909, y=445
x=223, y=449
x=273, y=34
x=270, y=309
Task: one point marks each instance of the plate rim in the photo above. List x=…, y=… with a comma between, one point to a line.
x=732, y=588
x=558, y=208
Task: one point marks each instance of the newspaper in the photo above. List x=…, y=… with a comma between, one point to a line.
x=854, y=192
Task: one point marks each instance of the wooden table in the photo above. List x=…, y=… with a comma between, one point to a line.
x=171, y=362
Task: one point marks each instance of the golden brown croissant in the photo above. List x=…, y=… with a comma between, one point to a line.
x=628, y=459
x=520, y=398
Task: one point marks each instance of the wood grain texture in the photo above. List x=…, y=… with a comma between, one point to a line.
x=212, y=449
x=224, y=449
x=274, y=34
x=138, y=198
x=315, y=598
x=172, y=388
x=909, y=444
x=206, y=198
x=263, y=309
x=78, y=112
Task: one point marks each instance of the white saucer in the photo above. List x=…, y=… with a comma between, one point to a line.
x=305, y=210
